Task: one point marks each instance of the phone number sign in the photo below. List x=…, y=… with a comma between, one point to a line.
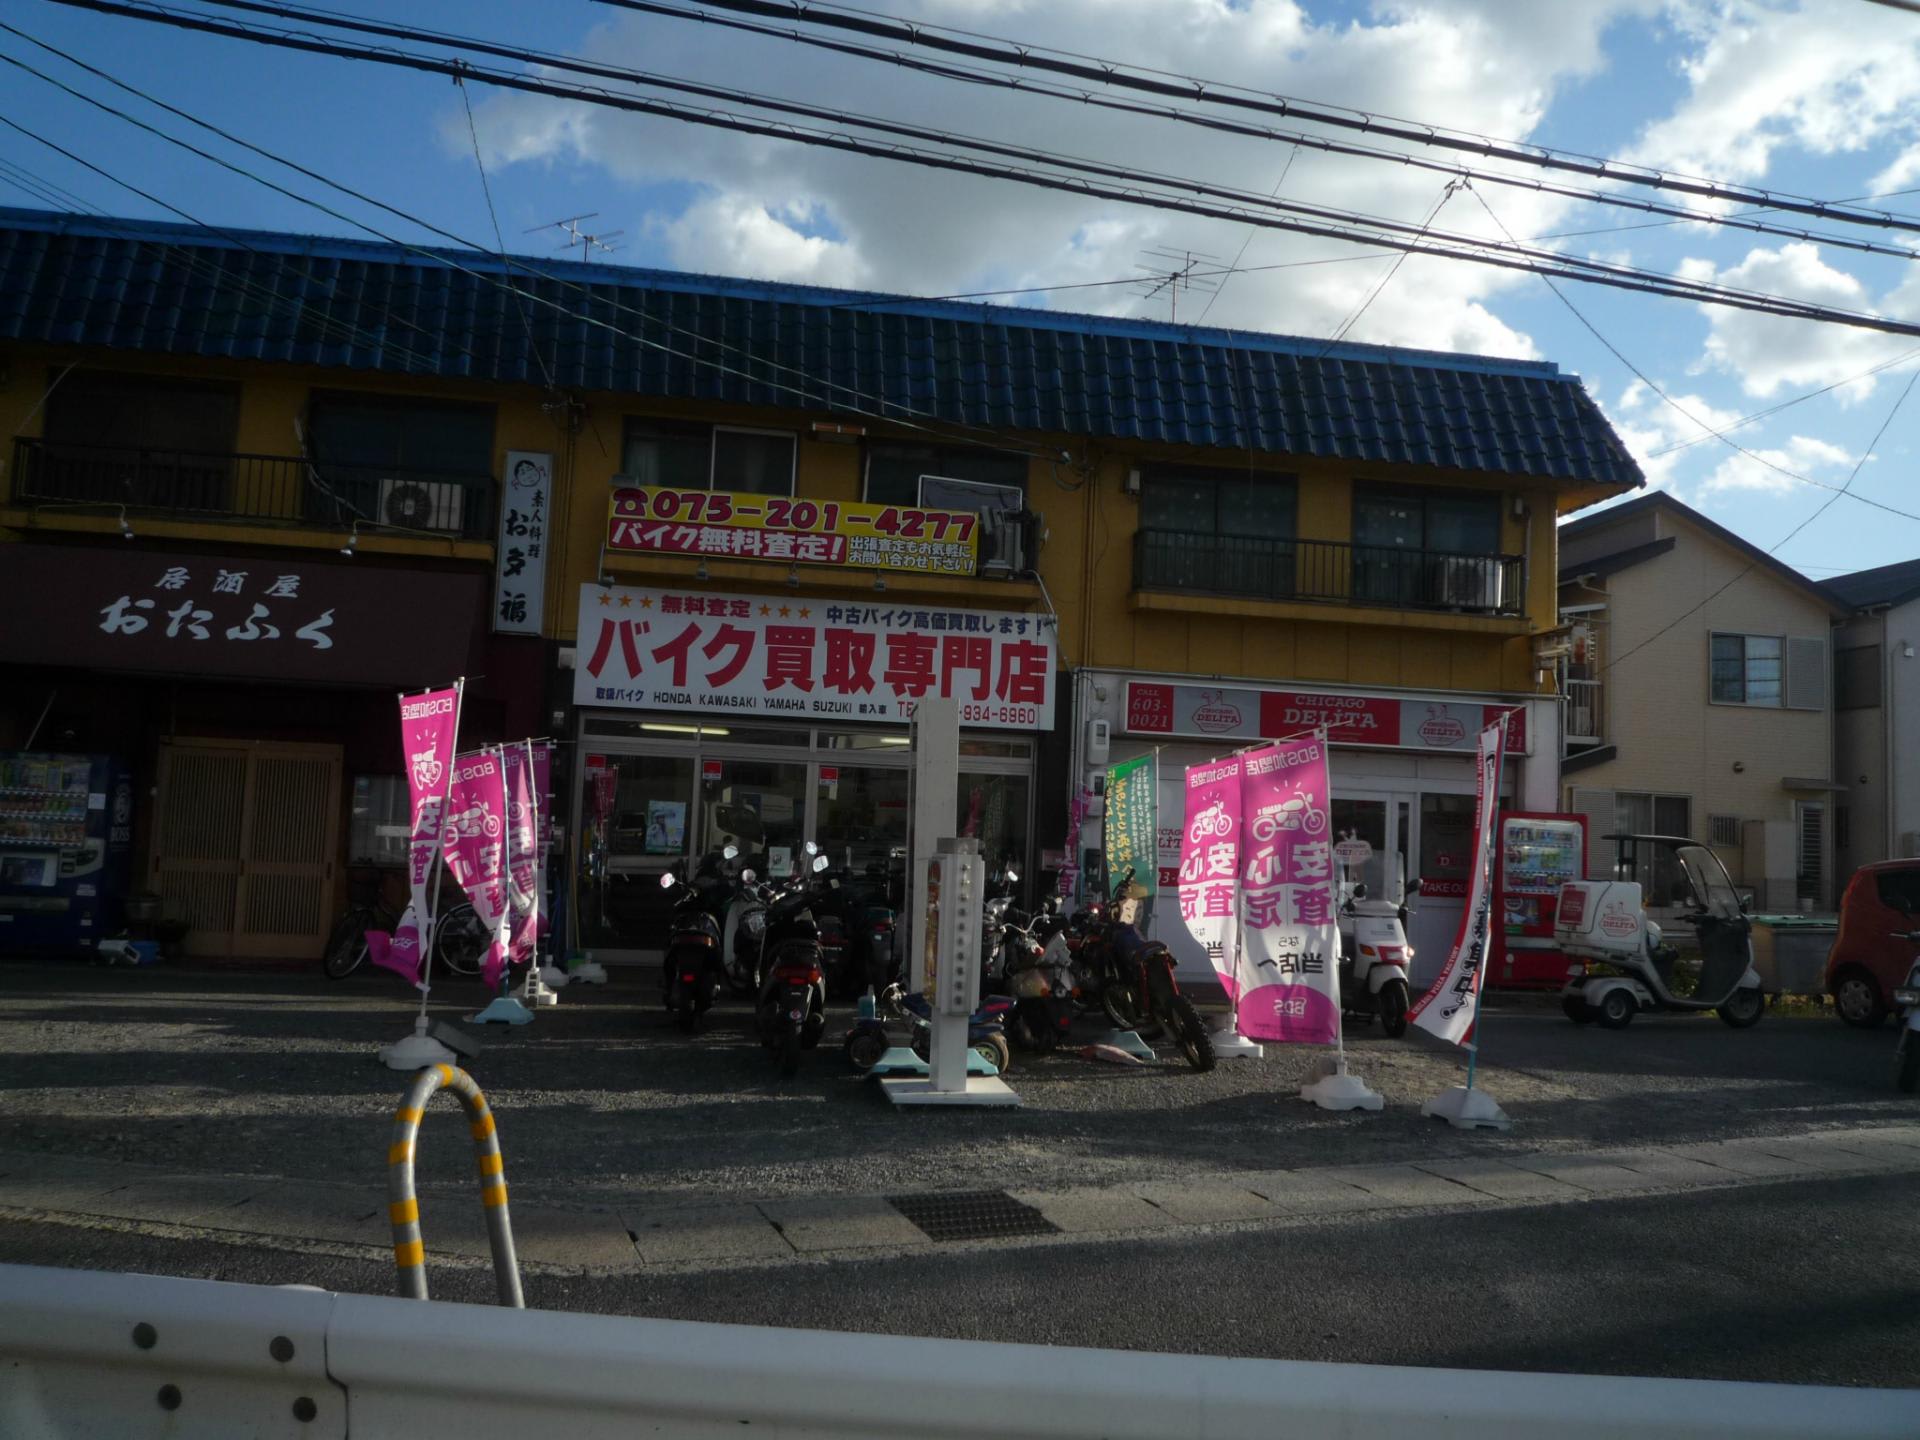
x=648, y=649
x=720, y=524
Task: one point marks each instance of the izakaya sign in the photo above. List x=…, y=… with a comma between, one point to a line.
x=661, y=520
x=1230, y=713
x=647, y=649
x=1291, y=932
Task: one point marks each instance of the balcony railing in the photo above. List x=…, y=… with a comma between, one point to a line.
x=271, y=489
x=1586, y=716
x=1329, y=570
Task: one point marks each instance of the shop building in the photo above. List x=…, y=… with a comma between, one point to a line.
x=718, y=537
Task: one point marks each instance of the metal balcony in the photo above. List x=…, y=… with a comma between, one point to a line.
x=1329, y=570
x=1586, y=714
x=262, y=489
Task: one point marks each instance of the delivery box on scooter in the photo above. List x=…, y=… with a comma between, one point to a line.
x=1599, y=917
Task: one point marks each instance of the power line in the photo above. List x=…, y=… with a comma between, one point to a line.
x=1297, y=139
x=1772, y=410
x=480, y=164
x=1021, y=55
x=1354, y=318
x=1510, y=256
x=1247, y=239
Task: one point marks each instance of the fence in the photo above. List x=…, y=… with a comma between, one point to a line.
x=1328, y=570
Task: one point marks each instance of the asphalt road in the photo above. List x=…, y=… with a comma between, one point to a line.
x=1808, y=1282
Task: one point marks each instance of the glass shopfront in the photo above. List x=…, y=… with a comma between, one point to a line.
x=653, y=792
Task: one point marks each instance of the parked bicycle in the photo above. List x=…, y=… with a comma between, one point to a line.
x=459, y=937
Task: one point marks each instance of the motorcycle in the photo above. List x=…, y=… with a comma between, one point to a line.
x=1136, y=979
x=1374, y=956
x=993, y=916
x=868, y=1040
x=692, y=971
x=791, y=1010
x=1907, y=997
x=1040, y=979
x=857, y=933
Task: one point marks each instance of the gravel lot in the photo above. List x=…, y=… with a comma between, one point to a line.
x=275, y=1074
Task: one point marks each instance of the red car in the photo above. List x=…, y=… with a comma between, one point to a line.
x=1868, y=960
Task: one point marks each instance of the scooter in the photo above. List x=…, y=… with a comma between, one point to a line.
x=1374, y=956
x=692, y=972
x=868, y=1040
x=791, y=1010
x=1907, y=998
x=1622, y=962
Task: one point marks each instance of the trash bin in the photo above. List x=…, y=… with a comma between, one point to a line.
x=1790, y=951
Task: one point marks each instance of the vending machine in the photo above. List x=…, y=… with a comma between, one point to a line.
x=66, y=837
x=1537, y=854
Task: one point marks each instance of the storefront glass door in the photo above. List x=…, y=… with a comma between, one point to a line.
x=635, y=823
x=759, y=805
x=864, y=819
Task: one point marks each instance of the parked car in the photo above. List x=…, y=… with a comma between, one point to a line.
x=1869, y=956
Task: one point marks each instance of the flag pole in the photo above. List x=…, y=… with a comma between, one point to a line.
x=1335, y=1088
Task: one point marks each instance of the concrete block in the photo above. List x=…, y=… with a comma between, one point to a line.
x=1744, y=1157
x=1664, y=1167
x=177, y=1199
x=1090, y=1209
x=1501, y=1180
x=842, y=1222
x=704, y=1232
x=54, y=1182
x=1406, y=1185
x=1311, y=1192
x=309, y=1210
x=586, y=1239
x=1594, y=1173
x=1819, y=1152
x=1208, y=1203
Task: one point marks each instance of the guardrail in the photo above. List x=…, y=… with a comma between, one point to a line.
x=1332, y=570
x=140, y=1355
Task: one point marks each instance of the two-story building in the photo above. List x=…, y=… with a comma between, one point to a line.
x=1876, y=697
x=1703, y=702
x=717, y=537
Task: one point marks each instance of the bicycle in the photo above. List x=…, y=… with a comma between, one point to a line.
x=459, y=937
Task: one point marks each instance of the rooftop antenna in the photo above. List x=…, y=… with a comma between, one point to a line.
x=576, y=236
x=1172, y=271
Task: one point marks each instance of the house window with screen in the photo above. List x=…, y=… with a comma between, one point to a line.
x=895, y=470
x=422, y=465
x=1748, y=669
x=683, y=455
x=1419, y=547
x=1225, y=531
x=139, y=440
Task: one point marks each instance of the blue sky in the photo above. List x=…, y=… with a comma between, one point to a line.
x=1818, y=99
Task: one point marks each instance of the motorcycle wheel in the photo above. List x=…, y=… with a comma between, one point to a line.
x=740, y=981
x=790, y=1048
x=1196, y=1042
x=864, y=1049
x=1117, y=999
x=995, y=1049
x=1908, y=1078
x=1393, y=1008
x=1616, y=1010
x=1743, y=1009
x=686, y=1017
x=1022, y=1032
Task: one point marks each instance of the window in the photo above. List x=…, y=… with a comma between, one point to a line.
x=1638, y=813
x=1747, y=669
x=894, y=471
x=1856, y=677
x=1226, y=531
x=136, y=440
x=377, y=830
x=691, y=456
x=1724, y=830
x=412, y=464
x=1899, y=889
x=1418, y=547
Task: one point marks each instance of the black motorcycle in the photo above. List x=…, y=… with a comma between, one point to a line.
x=857, y=932
x=792, y=1008
x=1136, y=981
x=694, y=970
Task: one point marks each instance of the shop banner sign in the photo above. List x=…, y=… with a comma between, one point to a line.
x=476, y=843
x=1452, y=1003
x=523, y=875
x=657, y=519
x=1231, y=713
x=1210, y=867
x=811, y=659
x=1290, y=933
x=520, y=564
x=543, y=829
x=429, y=731
x=1128, y=838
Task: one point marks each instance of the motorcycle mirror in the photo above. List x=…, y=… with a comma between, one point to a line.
x=1012, y=874
x=731, y=852
x=1360, y=891
x=811, y=848
x=747, y=877
x=666, y=881
x=820, y=862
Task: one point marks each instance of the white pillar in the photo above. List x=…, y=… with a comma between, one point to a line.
x=936, y=787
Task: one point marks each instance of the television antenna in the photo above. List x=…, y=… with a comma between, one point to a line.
x=576, y=236
x=1171, y=271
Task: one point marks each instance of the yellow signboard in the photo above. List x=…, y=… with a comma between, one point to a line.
x=719, y=524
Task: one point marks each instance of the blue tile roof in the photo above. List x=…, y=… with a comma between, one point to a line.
x=314, y=300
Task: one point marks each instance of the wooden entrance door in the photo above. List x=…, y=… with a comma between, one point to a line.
x=244, y=844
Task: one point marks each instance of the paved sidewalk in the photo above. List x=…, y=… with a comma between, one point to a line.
x=278, y=1213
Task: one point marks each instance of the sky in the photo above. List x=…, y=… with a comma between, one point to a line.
x=1813, y=97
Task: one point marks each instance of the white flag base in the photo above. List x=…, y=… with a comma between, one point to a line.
x=534, y=990
x=1466, y=1109
x=504, y=1010
x=418, y=1051
x=1336, y=1089
x=554, y=976
x=589, y=972
x=1230, y=1044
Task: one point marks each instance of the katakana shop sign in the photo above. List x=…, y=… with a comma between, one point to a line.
x=648, y=649
x=520, y=556
x=722, y=525
x=280, y=617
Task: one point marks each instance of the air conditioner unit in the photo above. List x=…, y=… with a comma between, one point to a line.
x=423, y=505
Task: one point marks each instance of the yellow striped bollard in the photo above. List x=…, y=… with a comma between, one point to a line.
x=403, y=1206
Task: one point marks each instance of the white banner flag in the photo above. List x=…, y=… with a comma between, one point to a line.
x=1452, y=1003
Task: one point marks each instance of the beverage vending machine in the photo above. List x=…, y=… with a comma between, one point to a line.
x=1537, y=854
x=66, y=838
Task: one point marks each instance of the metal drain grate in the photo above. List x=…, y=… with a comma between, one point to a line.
x=972, y=1215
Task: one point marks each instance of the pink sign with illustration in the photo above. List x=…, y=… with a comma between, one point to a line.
x=475, y=837
x=1290, y=931
x=523, y=870
x=1210, y=866
x=429, y=727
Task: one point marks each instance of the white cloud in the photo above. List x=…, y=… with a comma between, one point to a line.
x=737, y=235
x=1803, y=454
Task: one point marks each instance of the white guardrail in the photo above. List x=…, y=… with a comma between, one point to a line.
x=89, y=1354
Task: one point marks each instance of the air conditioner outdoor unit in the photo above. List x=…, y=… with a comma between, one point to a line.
x=422, y=505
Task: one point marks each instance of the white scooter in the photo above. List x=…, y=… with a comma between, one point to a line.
x=1375, y=956
x=1907, y=997
x=1622, y=965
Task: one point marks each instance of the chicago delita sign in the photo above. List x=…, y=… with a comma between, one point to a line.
x=771, y=655
x=1230, y=713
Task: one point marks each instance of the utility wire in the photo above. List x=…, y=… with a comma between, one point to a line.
x=486, y=189
x=1353, y=319
x=1233, y=266
x=1772, y=410
x=1021, y=55
x=1475, y=249
x=337, y=20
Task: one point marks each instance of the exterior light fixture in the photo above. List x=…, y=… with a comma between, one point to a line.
x=793, y=576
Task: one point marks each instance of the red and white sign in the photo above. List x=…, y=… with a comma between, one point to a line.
x=710, y=770
x=829, y=774
x=1231, y=713
x=1452, y=1002
x=647, y=649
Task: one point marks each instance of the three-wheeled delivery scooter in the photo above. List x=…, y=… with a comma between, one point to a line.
x=1621, y=962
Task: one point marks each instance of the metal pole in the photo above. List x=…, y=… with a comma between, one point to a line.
x=403, y=1204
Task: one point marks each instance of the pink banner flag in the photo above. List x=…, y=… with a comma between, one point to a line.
x=543, y=828
x=429, y=728
x=1451, y=1005
x=1210, y=866
x=523, y=881
x=1291, y=936
x=476, y=841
